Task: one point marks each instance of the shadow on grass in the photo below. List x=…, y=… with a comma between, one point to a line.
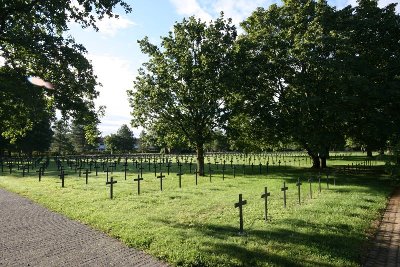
x=333, y=242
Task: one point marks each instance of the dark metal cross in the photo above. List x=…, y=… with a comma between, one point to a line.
x=298, y=184
x=240, y=205
x=125, y=168
x=284, y=188
x=327, y=180
x=141, y=170
x=87, y=175
x=196, y=173
x=180, y=179
x=107, y=171
x=265, y=196
x=168, y=166
x=62, y=177
x=96, y=167
x=310, y=181
x=23, y=170
x=155, y=169
x=161, y=177
x=319, y=183
x=40, y=173
x=111, y=183
x=138, y=184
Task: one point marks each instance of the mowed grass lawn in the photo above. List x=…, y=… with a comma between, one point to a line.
x=199, y=225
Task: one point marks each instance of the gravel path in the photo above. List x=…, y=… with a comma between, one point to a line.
x=31, y=235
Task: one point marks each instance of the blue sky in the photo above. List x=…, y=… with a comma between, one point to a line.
x=115, y=53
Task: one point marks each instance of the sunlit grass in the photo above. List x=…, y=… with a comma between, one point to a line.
x=198, y=225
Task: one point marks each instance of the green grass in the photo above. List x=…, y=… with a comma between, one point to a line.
x=198, y=225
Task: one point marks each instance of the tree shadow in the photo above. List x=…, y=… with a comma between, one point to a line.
x=333, y=242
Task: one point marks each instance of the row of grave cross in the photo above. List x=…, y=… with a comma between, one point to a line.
x=265, y=195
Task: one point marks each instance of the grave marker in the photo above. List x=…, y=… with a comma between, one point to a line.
x=87, y=175
x=111, y=183
x=125, y=168
x=40, y=173
x=180, y=179
x=62, y=177
x=319, y=183
x=284, y=189
x=298, y=184
x=265, y=196
x=161, y=177
x=138, y=180
x=240, y=205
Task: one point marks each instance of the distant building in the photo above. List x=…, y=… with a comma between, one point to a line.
x=101, y=145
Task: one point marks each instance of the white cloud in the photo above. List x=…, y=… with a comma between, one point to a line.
x=208, y=10
x=116, y=75
x=239, y=10
x=110, y=26
x=191, y=7
x=381, y=3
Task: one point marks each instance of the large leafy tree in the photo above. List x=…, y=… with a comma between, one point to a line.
x=295, y=91
x=122, y=141
x=183, y=86
x=374, y=77
x=33, y=42
x=38, y=139
x=22, y=105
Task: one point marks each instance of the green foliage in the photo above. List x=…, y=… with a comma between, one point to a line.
x=38, y=139
x=375, y=78
x=313, y=75
x=33, y=42
x=61, y=143
x=122, y=141
x=22, y=105
x=183, y=87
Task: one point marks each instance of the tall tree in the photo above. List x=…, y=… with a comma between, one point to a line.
x=77, y=137
x=122, y=141
x=61, y=143
x=184, y=85
x=126, y=138
x=374, y=81
x=33, y=42
x=295, y=93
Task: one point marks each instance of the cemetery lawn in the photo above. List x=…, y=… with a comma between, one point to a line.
x=199, y=225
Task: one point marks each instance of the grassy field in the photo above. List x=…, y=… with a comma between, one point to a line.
x=199, y=225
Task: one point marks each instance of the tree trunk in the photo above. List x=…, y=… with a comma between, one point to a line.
x=323, y=162
x=323, y=156
x=314, y=157
x=316, y=162
x=200, y=159
x=369, y=153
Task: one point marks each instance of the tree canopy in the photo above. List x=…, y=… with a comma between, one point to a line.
x=312, y=77
x=183, y=87
x=33, y=43
x=122, y=141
